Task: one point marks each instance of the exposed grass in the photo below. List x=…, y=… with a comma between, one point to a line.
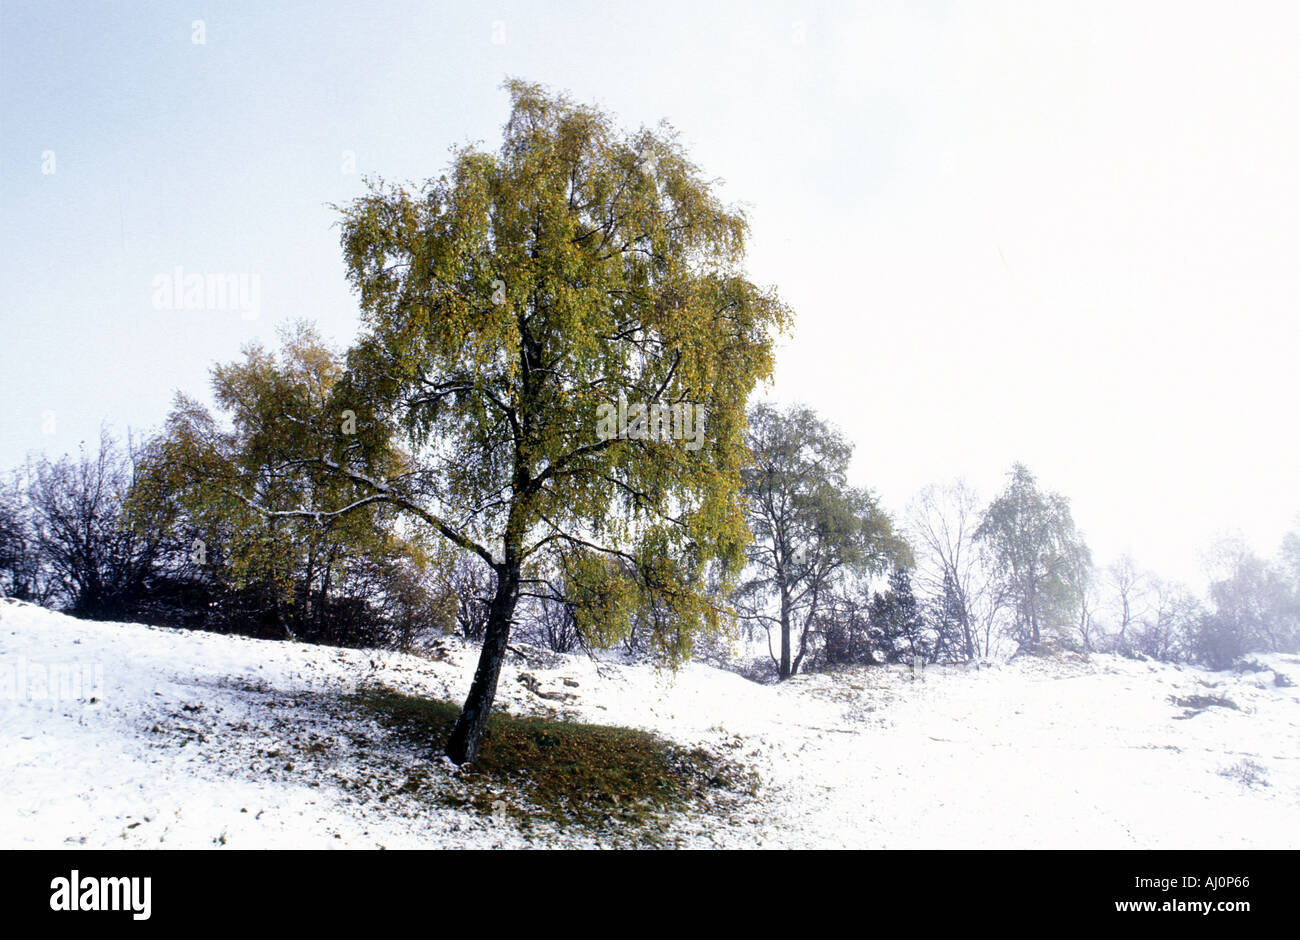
x=1247, y=772
x=594, y=776
x=1195, y=704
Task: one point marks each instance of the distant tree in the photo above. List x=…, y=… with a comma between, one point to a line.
x=473, y=586
x=263, y=531
x=1218, y=639
x=1129, y=593
x=811, y=529
x=845, y=626
x=558, y=628
x=1170, y=621
x=394, y=602
x=1288, y=566
x=99, y=564
x=1289, y=558
x=652, y=619
x=954, y=640
x=571, y=608
x=1086, y=618
x=1254, y=606
x=898, y=627
x=24, y=575
x=1041, y=558
x=952, y=569
x=1087, y=595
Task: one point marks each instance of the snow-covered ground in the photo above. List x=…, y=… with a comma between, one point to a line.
x=186, y=739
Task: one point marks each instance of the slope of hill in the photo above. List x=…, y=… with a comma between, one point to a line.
x=122, y=735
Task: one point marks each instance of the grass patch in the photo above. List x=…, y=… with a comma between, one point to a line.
x=593, y=776
x=1195, y=704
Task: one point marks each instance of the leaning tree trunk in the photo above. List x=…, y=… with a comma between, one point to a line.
x=783, y=669
x=467, y=735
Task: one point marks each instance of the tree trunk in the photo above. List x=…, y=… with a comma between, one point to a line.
x=785, y=637
x=467, y=735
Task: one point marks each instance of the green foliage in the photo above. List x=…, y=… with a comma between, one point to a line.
x=249, y=493
x=505, y=301
x=1042, y=560
x=811, y=528
x=601, y=596
x=504, y=305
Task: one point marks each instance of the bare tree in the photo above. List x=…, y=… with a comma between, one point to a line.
x=557, y=627
x=100, y=563
x=1164, y=631
x=1087, y=618
x=24, y=575
x=951, y=568
x=473, y=587
x=1129, y=589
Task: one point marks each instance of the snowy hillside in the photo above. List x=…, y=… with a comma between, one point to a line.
x=169, y=738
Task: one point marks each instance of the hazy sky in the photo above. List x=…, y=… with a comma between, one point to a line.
x=1066, y=234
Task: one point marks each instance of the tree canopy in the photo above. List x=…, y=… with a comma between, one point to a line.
x=811, y=529
x=506, y=304
x=1041, y=558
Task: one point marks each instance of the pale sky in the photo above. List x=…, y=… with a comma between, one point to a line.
x=1065, y=234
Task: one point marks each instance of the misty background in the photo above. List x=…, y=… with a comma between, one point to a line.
x=1065, y=237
